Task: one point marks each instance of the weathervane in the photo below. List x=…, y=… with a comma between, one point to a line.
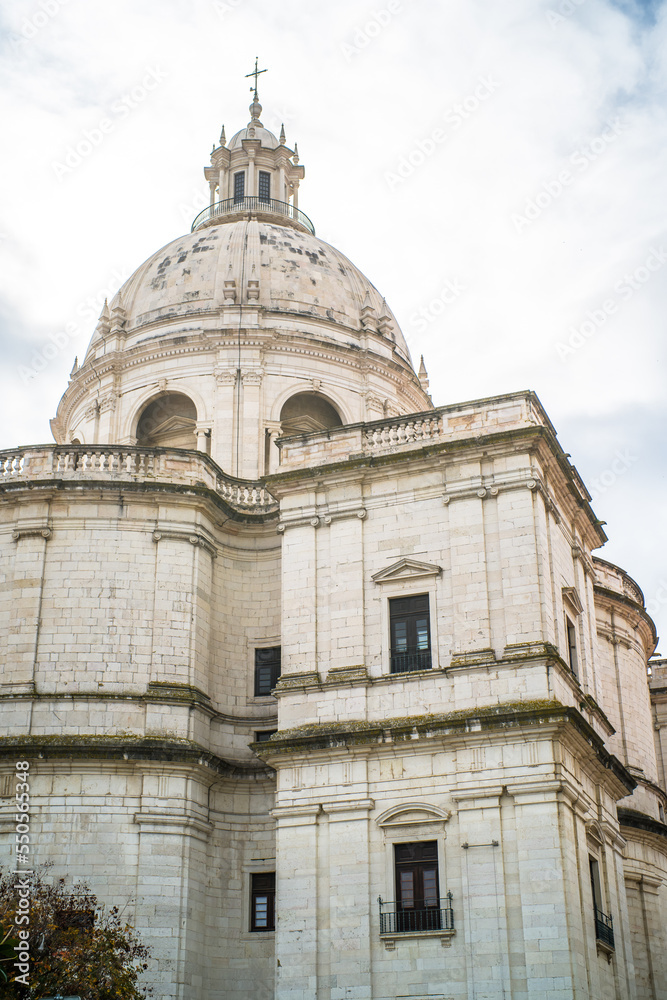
x=255, y=73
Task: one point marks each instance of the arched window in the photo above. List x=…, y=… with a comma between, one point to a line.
x=307, y=412
x=168, y=422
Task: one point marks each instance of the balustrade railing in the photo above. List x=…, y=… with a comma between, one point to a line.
x=174, y=465
x=402, y=430
x=268, y=206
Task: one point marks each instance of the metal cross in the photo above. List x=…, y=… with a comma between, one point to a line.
x=255, y=73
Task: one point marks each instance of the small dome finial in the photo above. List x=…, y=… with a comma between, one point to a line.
x=223, y=137
x=282, y=135
x=295, y=158
x=255, y=107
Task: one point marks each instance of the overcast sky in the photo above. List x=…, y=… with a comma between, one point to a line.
x=498, y=169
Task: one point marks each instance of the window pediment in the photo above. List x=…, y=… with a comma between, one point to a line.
x=406, y=569
x=571, y=598
x=411, y=814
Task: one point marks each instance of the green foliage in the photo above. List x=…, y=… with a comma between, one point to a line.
x=77, y=946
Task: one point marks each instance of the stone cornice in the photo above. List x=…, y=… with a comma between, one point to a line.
x=631, y=819
x=533, y=437
x=410, y=729
x=128, y=748
x=300, y=342
x=157, y=693
x=603, y=595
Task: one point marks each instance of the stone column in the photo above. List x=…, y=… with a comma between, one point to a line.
x=296, y=901
x=203, y=432
x=345, y=953
x=483, y=893
x=346, y=617
x=22, y=603
x=172, y=873
x=469, y=576
x=252, y=187
x=181, y=617
x=250, y=460
x=299, y=587
x=550, y=891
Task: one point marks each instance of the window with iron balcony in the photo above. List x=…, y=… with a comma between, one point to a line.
x=410, y=632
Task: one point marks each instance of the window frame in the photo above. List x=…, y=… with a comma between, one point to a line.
x=257, y=891
x=264, y=735
x=264, y=174
x=411, y=620
x=257, y=666
x=417, y=869
x=572, y=643
x=239, y=174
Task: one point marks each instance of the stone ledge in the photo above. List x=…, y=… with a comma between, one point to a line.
x=507, y=715
x=640, y=821
x=129, y=749
x=391, y=939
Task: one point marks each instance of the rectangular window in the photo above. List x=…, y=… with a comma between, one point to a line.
x=267, y=670
x=263, y=901
x=604, y=930
x=417, y=888
x=410, y=633
x=572, y=646
x=239, y=187
x=264, y=185
x=264, y=735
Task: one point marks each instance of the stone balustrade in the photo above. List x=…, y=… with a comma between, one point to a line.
x=126, y=462
x=414, y=430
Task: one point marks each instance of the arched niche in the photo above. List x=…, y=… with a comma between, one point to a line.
x=168, y=421
x=307, y=412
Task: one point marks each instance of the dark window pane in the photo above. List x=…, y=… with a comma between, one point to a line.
x=571, y=645
x=410, y=633
x=263, y=735
x=267, y=670
x=264, y=186
x=417, y=888
x=239, y=186
x=262, y=901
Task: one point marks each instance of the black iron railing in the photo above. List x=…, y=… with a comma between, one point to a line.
x=395, y=919
x=604, y=929
x=411, y=658
x=269, y=206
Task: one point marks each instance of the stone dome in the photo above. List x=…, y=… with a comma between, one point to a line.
x=277, y=268
x=245, y=330
x=267, y=139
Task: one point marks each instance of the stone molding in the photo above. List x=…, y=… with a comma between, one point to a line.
x=194, y=537
x=165, y=824
x=33, y=529
x=318, y=518
x=406, y=569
